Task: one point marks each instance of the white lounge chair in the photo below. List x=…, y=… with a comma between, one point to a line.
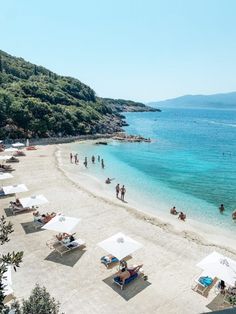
x=63, y=248
x=202, y=283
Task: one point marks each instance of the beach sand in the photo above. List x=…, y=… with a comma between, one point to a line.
x=171, y=249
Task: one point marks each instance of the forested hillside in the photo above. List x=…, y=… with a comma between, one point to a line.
x=35, y=102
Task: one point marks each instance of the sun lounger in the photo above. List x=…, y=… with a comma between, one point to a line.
x=18, y=209
x=12, y=159
x=31, y=148
x=6, y=168
x=117, y=280
x=38, y=224
x=108, y=262
x=63, y=248
x=19, y=153
x=202, y=283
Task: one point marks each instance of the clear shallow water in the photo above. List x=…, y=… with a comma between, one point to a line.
x=190, y=164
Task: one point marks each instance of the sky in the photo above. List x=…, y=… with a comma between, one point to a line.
x=143, y=50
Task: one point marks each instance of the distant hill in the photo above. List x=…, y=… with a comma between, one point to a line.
x=217, y=101
x=35, y=102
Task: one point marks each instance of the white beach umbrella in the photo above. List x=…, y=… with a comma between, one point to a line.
x=1, y=141
x=5, y=157
x=7, y=282
x=5, y=175
x=220, y=266
x=120, y=245
x=13, y=189
x=18, y=144
x=33, y=200
x=62, y=223
x=11, y=150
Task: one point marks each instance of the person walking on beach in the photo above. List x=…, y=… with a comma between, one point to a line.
x=98, y=158
x=93, y=159
x=102, y=163
x=221, y=208
x=71, y=158
x=122, y=193
x=117, y=190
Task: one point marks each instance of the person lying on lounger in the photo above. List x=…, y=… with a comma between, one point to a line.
x=43, y=218
x=65, y=238
x=125, y=273
x=17, y=203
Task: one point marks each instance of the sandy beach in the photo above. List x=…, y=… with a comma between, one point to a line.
x=171, y=249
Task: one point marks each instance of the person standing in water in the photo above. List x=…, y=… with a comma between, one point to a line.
x=221, y=208
x=71, y=158
x=117, y=190
x=85, y=162
x=98, y=158
x=122, y=193
x=93, y=159
x=76, y=158
x=102, y=163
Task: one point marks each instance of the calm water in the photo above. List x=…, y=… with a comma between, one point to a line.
x=191, y=163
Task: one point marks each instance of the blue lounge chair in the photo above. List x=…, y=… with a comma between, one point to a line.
x=128, y=280
x=108, y=263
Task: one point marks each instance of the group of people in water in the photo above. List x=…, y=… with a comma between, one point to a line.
x=182, y=216
x=120, y=191
x=93, y=160
x=222, y=209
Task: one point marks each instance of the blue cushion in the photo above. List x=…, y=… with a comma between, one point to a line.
x=205, y=281
x=113, y=260
x=117, y=279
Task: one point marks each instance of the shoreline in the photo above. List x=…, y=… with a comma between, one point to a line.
x=78, y=279
x=196, y=231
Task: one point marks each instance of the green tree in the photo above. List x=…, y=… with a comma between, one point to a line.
x=40, y=302
x=13, y=258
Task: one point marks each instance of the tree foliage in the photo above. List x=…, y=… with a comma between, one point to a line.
x=35, y=102
x=13, y=259
x=40, y=302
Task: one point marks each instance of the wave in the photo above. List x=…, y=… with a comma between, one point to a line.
x=222, y=123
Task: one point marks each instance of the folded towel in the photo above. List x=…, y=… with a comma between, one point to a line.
x=107, y=260
x=205, y=281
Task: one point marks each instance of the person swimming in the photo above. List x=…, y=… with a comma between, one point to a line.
x=108, y=181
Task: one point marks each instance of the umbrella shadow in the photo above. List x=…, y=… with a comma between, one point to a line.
x=68, y=259
x=131, y=289
x=8, y=212
x=29, y=227
x=218, y=303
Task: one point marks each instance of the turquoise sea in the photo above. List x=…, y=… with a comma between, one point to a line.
x=191, y=162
